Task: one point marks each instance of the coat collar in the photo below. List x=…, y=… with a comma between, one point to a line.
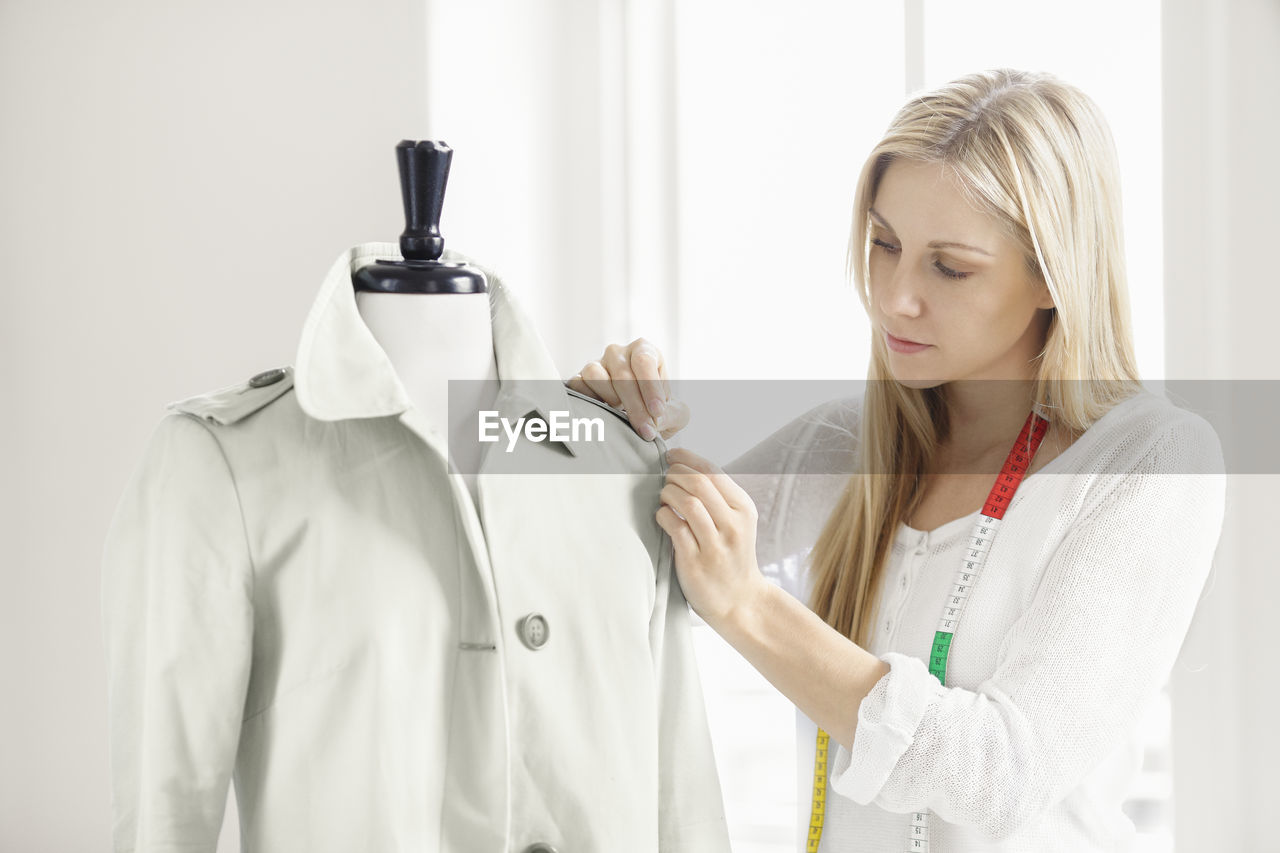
x=342, y=371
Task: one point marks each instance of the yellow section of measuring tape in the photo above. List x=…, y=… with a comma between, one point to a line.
x=1015, y=466
x=819, y=810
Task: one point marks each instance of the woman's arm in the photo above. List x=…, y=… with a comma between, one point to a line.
x=815, y=666
x=794, y=478
x=794, y=475
x=712, y=524
x=1099, y=638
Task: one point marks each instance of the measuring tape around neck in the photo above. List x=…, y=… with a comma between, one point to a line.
x=971, y=562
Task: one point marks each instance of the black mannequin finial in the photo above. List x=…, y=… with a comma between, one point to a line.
x=424, y=172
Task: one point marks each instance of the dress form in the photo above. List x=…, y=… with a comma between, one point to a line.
x=432, y=318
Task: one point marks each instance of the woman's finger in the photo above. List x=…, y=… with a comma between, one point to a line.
x=699, y=485
x=617, y=361
x=733, y=495
x=675, y=418
x=693, y=511
x=678, y=529
x=634, y=378
x=647, y=368
x=596, y=379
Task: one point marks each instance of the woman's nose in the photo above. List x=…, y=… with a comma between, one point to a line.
x=901, y=293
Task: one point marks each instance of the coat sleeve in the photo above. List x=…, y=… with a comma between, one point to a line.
x=177, y=587
x=690, y=802
x=1100, y=636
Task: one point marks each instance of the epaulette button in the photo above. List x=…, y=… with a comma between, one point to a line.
x=267, y=377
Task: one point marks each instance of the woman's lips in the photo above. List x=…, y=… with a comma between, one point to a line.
x=899, y=345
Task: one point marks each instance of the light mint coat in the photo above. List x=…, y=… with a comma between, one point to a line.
x=298, y=595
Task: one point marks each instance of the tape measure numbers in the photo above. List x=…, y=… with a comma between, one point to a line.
x=971, y=562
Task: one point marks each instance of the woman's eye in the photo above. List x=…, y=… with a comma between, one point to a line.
x=888, y=247
x=949, y=272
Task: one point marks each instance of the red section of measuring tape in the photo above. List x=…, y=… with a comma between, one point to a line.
x=1015, y=466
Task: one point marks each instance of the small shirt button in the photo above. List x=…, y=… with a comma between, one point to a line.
x=904, y=581
x=887, y=625
x=533, y=633
x=920, y=551
x=267, y=377
x=540, y=847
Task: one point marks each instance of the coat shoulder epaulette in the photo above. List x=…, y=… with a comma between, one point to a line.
x=236, y=402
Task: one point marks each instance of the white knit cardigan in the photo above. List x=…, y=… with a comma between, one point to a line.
x=1075, y=623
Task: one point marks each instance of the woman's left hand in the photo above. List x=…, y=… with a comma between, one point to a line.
x=712, y=524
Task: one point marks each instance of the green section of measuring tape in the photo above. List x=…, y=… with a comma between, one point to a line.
x=1001, y=493
x=819, y=809
x=938, y=658
x=817, y=814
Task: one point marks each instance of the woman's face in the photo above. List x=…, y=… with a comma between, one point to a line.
x=944, y=274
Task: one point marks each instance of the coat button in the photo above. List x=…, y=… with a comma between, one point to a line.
x=267, y=377
x=534, y=632
x=540, y=847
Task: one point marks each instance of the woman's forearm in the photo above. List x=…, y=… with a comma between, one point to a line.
x=825, y=674
x=712, y=524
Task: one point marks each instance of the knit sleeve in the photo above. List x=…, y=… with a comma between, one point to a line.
x=794, y=477
x=1100, y=636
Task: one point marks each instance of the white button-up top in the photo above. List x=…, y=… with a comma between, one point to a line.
x=298, y=594
x=1075, y=623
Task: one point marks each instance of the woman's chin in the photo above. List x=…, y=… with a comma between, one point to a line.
x=916, y=382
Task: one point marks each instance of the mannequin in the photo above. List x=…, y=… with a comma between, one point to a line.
x=431, y=338
x=301, y=598
x=432, y=318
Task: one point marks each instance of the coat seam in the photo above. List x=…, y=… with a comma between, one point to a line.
x=235, y=490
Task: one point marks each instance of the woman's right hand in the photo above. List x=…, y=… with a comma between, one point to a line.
x=634, y=378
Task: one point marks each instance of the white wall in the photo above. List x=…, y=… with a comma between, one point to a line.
x=514, y=88
x=175, y=179
x=1222, y=288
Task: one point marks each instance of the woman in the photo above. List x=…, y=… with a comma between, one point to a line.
x=966, y=677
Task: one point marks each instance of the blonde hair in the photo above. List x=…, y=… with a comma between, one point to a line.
x=1036, y=154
